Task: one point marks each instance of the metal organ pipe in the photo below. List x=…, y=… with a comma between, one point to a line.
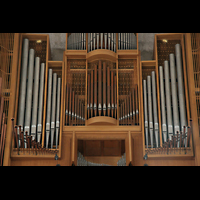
x=40, y=102
x=109, y=35
x=35, y=98
x=22, y=95
x=168, y=100
x=174, y=94
x=119, y=40
x=53, y=108
x=29, y=92
x=181, y=95
x=58, y=110
x=105, y=39
x=150, y=109
x=145, y=111
x=94, y=40
x=48, y=107
x=162, y=99
x=155, y=112
x=77, y=41
x=97, y=40
x=89, y=41
x=101, y=34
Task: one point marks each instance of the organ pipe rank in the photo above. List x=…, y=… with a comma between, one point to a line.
x=77, y=41
x=102, y=92
x=172, y=101
x=31, y=95
x=75, y=111
x=129, y=108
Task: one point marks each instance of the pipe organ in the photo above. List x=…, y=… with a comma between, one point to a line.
x=77, y=41
x=31, y=102
x=101, y=105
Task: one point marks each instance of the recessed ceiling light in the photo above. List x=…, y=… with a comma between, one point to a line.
x=38, y=41
x=165, y=40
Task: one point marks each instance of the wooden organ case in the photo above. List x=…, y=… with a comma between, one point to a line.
x=111, y=108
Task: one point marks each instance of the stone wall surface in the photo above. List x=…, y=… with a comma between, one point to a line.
x=57, y=45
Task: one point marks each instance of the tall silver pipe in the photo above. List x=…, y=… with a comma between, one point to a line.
x=145, y=111
x=128, y=40
x=112, y=41
x=53, y=108
x=48, y=116
x=155, y=111
x=168, y=100
x=35, y=98
x=122, y=41
x=82, y=41
x=97, y=40
x=84, y=35
x=105, y=39
x=181, y=94
x=94, y=40
x=22, y=94
x=88, y=42
x=77, y=38
x=109, y=35
x=150, y=109
x=40, y=102
x=162, y=100
x=91, y=41
x=79, y=41
x=58, y=110
x=101, y=35
x=174, y=94
x=29, y=92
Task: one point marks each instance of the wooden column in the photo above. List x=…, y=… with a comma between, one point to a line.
x=192, y=98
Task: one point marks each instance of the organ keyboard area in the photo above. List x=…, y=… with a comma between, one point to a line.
x=102, y=83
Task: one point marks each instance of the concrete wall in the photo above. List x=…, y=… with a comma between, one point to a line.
x=146, y=45
x=57, y=44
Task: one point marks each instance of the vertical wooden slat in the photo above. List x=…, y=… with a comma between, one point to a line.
x=12, y=101
x=192, y=97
